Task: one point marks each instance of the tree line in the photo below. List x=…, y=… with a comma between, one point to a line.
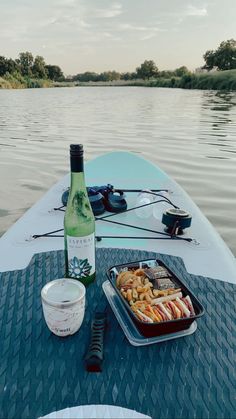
x=223, y=58
x=29, y=67
x=26, y=66
x=147, y=70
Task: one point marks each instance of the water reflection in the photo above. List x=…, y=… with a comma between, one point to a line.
x=228, y=98
x=217, y=157
x=219, y=114
x=32, y=187
x=219, y=100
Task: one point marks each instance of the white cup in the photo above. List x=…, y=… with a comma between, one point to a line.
x=63, y=302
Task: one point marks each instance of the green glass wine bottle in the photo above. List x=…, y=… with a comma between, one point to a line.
x=79, y=224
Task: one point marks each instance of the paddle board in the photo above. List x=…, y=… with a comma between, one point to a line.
x=207, y=254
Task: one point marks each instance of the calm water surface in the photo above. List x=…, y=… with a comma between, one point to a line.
x=189, y=134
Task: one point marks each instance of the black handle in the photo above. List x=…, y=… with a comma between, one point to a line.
x=94, y=357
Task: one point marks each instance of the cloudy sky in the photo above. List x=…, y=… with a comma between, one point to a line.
x=100, y=35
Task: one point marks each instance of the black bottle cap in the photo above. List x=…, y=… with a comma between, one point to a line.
x=76, y=158
x=76, y=150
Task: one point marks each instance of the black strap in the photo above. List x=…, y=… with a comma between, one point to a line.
x=49, y=234
x=104, y=218
x=61, y=208
x=94, y=357
x=141, y=190
x=133, y=226
x=187, y=239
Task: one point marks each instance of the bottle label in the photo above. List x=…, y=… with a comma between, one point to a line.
x=81, y=256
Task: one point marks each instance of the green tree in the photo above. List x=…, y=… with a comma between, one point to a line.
x=181, y=71
x=147, y=70
x=114, y=75
x=223, y=58
x=86, y=77
x=25, y=62
x=3, y=66
x=54, y=72
x=109, y=76
x=39, y=68
x=103, y=76
x=12, y=66
x=128, y=76
x=225, y=55
x=209, y=58
x=166, y=74
x=8, y=66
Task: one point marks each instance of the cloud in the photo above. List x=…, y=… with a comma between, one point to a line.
x=147, y=37
x=110, y=36
x=142, y=33
x=195, y=11
x=67, y=20
x=131, y=27
x=114, y=10
x=190, y=11
x=66, y=2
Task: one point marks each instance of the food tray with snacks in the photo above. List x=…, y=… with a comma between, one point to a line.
x=128, y=326
x=156, y=299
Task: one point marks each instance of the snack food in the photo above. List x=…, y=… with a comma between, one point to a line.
x=150, y=303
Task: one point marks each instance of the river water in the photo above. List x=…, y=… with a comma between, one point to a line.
x=190, y=134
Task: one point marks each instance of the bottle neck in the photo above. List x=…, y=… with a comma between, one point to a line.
x=76, y=164
x=77, y=173
x=77, y=182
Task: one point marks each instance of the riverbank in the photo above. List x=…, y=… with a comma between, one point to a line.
x=219, y=80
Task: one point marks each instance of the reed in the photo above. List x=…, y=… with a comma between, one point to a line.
x=219, y=80
x=17, y=81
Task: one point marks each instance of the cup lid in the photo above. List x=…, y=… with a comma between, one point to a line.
x=63, y=292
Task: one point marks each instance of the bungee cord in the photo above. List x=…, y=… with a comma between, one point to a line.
x=167, y=236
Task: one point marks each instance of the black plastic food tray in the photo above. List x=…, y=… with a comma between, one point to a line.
x=156, y=329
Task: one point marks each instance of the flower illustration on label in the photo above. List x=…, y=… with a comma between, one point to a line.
x=79, y=267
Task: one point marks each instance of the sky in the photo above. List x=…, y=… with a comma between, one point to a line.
x=102, y=35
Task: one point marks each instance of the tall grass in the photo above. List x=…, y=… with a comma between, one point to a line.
x=14, y=81
x=4, y=84
x=17, y=81
x=220, y=80
x=37, y=83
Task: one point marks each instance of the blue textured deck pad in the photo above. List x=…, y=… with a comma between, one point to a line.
x=191, y=377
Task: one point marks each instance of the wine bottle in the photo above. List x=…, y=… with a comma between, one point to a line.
x=79, y=224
